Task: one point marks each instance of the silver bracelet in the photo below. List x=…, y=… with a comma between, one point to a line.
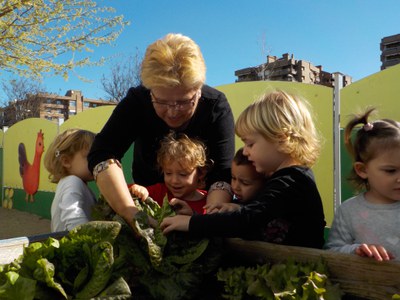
x=101, y=166
x=221, y=185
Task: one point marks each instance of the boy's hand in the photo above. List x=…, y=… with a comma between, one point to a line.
x=377, y=252
x=139, y=191
x=178, y=223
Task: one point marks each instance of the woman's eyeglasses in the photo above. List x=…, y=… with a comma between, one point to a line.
x=177, y=105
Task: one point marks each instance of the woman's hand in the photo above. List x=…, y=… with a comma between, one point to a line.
x=181, y=207
x=178, y=223
x=377, y=252
x=139, y=191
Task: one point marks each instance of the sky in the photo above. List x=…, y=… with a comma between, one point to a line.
x=342, y=36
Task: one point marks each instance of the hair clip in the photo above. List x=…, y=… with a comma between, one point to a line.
x=368, y=126
x=57, y=153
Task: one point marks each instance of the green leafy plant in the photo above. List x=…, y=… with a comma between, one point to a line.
x=108, y=258
x=287, y=280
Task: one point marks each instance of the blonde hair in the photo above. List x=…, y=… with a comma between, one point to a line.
x=190, y=153
x=175, y=60
x=285, y=119
x=66, y=144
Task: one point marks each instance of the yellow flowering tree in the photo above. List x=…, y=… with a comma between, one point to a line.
x=43, y=37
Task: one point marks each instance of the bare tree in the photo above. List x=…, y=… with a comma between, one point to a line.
x=123, y=75
x=24, y=100
x=263, y=72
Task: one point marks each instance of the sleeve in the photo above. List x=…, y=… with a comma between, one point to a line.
x=251, y=219
x=72, y=203
x=120, y=130
x=221, y=143
x=340, y=238
x=286, y=201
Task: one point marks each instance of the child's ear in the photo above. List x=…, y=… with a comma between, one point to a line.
x=65, y=161
x=360, y=169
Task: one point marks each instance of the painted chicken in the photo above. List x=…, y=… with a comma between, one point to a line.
x=30, y=173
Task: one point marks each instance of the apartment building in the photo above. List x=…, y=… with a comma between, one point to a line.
x=52, y=107
x=390, y=51
x=287, y=68
x=57, y=108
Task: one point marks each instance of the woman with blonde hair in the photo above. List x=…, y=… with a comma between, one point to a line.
x=173, y=96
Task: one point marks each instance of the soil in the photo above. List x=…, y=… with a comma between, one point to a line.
x=15, y=223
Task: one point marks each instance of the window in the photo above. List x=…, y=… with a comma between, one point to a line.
x=72, y=103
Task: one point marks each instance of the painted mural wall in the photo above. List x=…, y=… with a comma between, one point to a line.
x=25, y=183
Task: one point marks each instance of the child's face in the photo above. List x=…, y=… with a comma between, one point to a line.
x=180, y=182
x=264, y=154
x=246, y=182
x=383, y=175
x=78, y=165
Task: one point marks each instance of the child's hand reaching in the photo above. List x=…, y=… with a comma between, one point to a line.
x=221, y=207
x=228, y=207
x=139, y=191
x=376, y=251
x=178, y=222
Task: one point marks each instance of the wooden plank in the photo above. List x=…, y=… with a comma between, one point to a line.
x=359, y=276
x=11, y=249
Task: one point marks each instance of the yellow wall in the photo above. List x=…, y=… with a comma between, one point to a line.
x=380, y=90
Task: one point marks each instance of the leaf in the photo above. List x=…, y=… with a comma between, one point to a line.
x=103, y=263
x=17, y=287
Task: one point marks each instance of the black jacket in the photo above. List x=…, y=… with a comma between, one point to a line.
x=287, y=211
x=134, y=120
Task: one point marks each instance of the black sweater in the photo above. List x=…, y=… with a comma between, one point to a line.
x=134, y=120
x=288, y=211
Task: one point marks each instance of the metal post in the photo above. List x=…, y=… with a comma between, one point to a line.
x=338, y=84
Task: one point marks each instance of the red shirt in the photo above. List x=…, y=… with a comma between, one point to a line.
x=158, y=191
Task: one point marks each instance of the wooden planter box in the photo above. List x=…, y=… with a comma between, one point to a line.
x=358, y=276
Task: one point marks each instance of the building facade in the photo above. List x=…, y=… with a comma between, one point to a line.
x=390, y=51
x=54, y=108
x=57, y=108
x=287, y=68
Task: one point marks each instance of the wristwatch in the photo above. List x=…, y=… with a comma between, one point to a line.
x=101, y=166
